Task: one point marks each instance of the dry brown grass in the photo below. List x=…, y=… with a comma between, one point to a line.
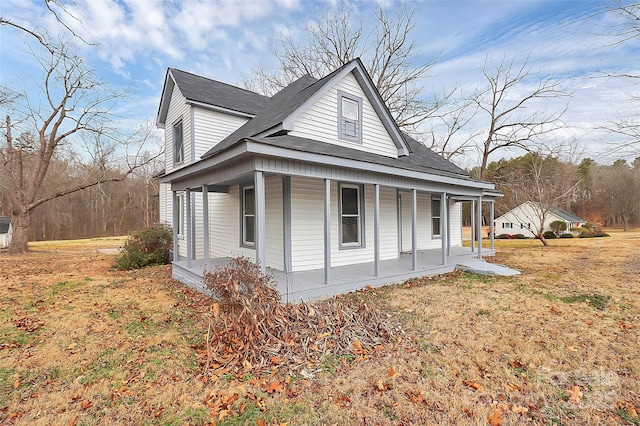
x=83, y=344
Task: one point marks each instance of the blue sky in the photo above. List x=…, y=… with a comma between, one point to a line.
x=224, y=40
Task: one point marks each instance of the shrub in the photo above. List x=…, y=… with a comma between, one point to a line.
x=601, y=234
x=566, y=235
x=549, y=235
x=503, y=236
x=558, y=226
x=520, y=236
x=586, y=235
x=147, y=247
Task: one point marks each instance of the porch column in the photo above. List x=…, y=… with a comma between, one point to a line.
x=414, y=229
x=376, y=230
x=479, y=226
x=261, y=235
x=286, y=219
x=189, y=227
x=443, y=226
x=175, y=224
x=491, y=228
x=327, y=230
x=473, y=226
x=205, y=222
x=449, y=228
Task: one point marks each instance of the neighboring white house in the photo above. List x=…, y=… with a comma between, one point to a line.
x=525, y=219
x=5, y=231
x=316, y=183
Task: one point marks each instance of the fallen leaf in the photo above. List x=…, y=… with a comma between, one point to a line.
x=456, y=372
x=86, y=404
x=574, y=394
x=496, y=419
x=518, y=409
x=473, y=385
x=392, y=373
x=215, y=307
x=274, y=387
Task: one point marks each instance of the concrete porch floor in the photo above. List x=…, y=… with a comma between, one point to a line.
x=309, y=285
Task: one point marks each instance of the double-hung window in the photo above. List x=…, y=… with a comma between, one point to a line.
x=178, y=143
x=248, y=216
x=351, y=216
x=349, y=117
x=435, y=217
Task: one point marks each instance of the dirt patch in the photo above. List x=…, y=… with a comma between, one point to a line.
x=81, y=343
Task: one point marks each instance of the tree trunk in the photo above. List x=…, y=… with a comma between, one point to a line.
x=543, y=240
x=21, y=224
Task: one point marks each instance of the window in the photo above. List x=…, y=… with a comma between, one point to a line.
x=435, y=217
x=351, y=216
x=349, y=117
x=178, y=143
x=180, y=200
x=506, y=225
x=248, y=216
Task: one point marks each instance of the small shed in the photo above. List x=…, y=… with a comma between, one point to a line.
x=5, y=231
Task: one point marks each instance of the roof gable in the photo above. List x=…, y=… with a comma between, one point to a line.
x=562, y=214
x=210, y=94
x=280, y=113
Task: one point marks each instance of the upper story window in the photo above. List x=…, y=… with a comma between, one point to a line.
x=351, y=216
x=248, y=216
x=349, y=117
x=435, y=217
x=178, y=143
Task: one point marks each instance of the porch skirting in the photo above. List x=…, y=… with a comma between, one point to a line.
x=310, y=285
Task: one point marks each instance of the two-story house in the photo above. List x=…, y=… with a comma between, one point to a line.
x=317, y=183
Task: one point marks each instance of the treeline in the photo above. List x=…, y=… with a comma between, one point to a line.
x=107, y=209
x=605, y=195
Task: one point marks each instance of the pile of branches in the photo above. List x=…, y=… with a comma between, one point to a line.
x=250, y=326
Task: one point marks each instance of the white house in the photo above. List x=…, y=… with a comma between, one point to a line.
x=316, y=183
x=526, y=218
x=5, y=231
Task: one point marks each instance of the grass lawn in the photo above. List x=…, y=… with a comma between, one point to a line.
x=82, y=344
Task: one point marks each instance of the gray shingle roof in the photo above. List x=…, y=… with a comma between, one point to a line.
x=568, y=216
x=421, y=160
x=212, y=92
x=270, y=113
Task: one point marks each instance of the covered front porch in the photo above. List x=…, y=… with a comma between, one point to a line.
x=310, y=285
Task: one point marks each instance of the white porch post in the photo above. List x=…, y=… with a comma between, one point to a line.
x=205, y=222
x=449, y=228
x=414, y=229
x=189, y=227
x=261, y=234
x=473, y=226
x=376, y=230
x=327, y=230
x=444, y=211
x=491, y=225
x=479, y=227
x=175, y=225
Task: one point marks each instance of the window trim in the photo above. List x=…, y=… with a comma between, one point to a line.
x=436, y=233
x=361, y=243
x=180, y=199
x=341, y=133
x=178, y=159
x=243, y=216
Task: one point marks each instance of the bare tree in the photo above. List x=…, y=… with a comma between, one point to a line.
x=511, y=104
x=387, y=51
x=73, y=103
x=544, y=183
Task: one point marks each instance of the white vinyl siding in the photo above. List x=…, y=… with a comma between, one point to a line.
x=307, y=229
x=166, y=206
x=320, y=121
x=424, y=222
x=211, y=128
x=224, y=224
x=178, y=110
